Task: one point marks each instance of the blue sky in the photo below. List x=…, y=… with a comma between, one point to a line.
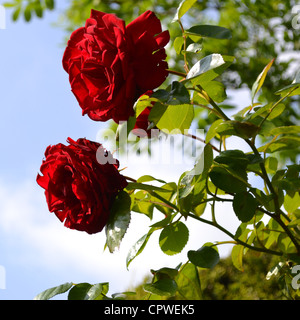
x=38, y=109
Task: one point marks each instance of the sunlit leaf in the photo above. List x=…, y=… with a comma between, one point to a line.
x=118, y=221
x=173, y=238
x=50, y=293
x=260, y=80
x=209, y=31
x=183, y=8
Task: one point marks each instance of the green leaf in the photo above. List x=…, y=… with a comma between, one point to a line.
x=205, y=257
x=142, y=103
x=229, y=180
x=163, y=287
x=138, y=247
x=164, y=273
x=38, y=9
x=188, y=283
x=97, y=291
x=147, y=178
x=177, y=94
x=27, y=13
x=237, y=257
x=178, y=43
x=183, y=8
x=233, y=158
x=50, y=4
x=210, y=31
x=50, y=293
x=211, y=133
x=260, y=80
x=244, y=129
x=285, y=244
x=267, y=111
x=173, y=238
x=79, y=291
x=207, y=63
x=283, y=143
x=291, y=202
x=285, y=130
x=216, y=90
x=176, y=119
x=140, y=202
x=293, y=88
x=146, y=187
x=118, y=221
x=209, y=68
x=16, y=14
x=244, y=206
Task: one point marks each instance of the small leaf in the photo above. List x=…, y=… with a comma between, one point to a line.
x=285, y=130
x=50, y=293
x=163, y=287
x=188, y=283
x=209, y=62
x=211, y=133
x=237, y=257
x=50, y=4
x=16, y=14
x=176, y=119
x=118, y=221
x=244, y=206
x=209, y=31
x=165, y=272
x=176, y=94
x=229, y=180
x=183, y=8
x=260, y=80
x=27, y=13
x=237, y=128
x=79, y=291
x=205, y=257
x=148, y=178
x=173, y=238
x=97, y=291
x=138, y=247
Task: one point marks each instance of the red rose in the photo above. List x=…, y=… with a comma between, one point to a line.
x=78, y=189
x=110, y=65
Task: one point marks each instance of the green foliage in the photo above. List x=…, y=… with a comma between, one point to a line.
x=29, y=8
x=226, y=282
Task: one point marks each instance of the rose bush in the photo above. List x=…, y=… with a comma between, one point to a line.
x=78, y=189
x=110, y=65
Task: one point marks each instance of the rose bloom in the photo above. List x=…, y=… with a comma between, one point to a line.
x=110, y=65
x=78, y=189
